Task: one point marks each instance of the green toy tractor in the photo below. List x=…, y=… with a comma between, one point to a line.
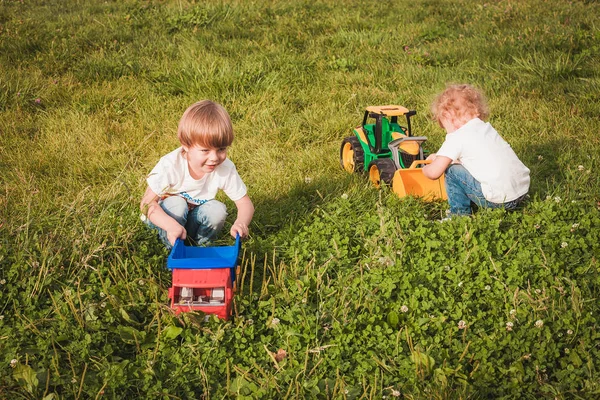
x=389, y=153
x=370, y=146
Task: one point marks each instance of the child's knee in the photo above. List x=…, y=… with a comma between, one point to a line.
x=213, y=214
x=454, y=170
x=176, y=207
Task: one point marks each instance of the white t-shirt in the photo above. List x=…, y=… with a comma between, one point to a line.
x=171, y=176
x=490, y=160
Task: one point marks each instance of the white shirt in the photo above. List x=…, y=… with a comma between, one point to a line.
x=489, y=159
x=171, y=176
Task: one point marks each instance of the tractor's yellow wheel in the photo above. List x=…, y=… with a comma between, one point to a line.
x=381, y=171
x=351, y=155
x=374, y=176
x=348, y=158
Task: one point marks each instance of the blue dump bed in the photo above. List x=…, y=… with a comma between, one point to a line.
x=189, y=257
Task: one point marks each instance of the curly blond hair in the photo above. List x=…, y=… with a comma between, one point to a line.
x=207, y=124
x=460, y=102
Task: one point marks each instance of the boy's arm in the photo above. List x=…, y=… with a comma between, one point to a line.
x=437, y=167
x=245, y=211
x=154, y=212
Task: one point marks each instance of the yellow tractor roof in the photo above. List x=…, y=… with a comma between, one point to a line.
x=388, y=111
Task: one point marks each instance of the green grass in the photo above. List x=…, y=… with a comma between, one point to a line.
x=90, y=96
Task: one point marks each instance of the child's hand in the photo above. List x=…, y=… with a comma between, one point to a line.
x=240, y=228
x=244, y=217
x=176, y=232
x=436, y=168
x=432, y=156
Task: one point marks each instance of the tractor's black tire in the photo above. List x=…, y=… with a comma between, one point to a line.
x=352, y=156
x=382, y=170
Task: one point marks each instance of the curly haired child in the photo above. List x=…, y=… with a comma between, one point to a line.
x=480, y=167
x=180, y=199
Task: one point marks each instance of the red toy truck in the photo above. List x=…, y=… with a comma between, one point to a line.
x=203, y=278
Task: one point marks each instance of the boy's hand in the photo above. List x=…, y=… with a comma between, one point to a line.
x=154, y=212
x=432, y=156
x=240, y=228
x=176, y=232
x=244, y=217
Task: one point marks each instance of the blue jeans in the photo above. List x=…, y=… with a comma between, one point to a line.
x=202, y=223
x=462, y=190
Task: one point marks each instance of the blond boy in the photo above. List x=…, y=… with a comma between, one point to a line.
x=180, y=199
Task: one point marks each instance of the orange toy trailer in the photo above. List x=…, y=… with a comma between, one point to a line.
x=203, y=278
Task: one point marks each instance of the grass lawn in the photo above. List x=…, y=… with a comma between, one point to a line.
x=345, y=291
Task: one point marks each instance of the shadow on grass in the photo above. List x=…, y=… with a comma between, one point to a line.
x=287, y=212
x=543, y=160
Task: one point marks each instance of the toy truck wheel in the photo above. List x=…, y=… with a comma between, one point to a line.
x=381, y=170
x=352, y=155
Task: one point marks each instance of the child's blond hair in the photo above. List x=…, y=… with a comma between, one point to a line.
x=461, y=102
x=206, y=124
